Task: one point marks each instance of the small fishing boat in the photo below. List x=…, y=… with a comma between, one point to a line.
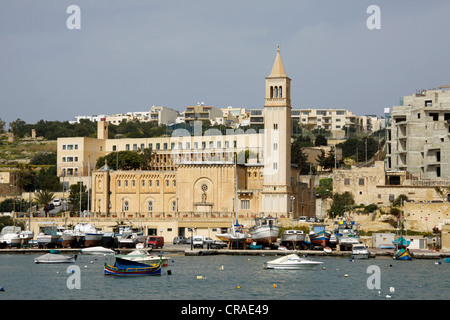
x=55, y=258
x=292, y=262
x=318, y=234
x=265, y=230
x=359, y=251
x=327, y=250
x=292, y=237
x=401, y=244
x=97, y=250
x=124, y=267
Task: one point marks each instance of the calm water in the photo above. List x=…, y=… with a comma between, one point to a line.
x=21, y=278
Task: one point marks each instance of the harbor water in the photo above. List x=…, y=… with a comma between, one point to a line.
x=222, y=277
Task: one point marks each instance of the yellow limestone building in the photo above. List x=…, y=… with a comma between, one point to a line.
x=204, y=186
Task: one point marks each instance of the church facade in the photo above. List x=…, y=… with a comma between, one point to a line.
x=202, y=176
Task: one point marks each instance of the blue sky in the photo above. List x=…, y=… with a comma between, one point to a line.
x=130, y=55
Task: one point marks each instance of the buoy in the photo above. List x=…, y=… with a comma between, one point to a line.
x=221, y=267
x=238, y=287
x=274, y=285
x=351, y=260
x=324, y=268
x=169, y=272
x=391, y=289
x=199, y=277
x=388, y=296
x=345, y=275
x=437, y=262
x=2, y=289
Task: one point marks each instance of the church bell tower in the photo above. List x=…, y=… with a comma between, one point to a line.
x=277, y=141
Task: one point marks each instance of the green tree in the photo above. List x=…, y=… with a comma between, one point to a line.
x=298, y=157
x=320, y=141
x=74, y=198
x=126, y=160
x=341, y=203
x=43, y=198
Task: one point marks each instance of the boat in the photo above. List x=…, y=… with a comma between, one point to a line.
x=48, y=236
x=109, y=239
x=10, y=236
x=447, y=260
x=90, y=236
x=265, y=230
x=292, y=237
x=401, y=244
x=255, y=246
x=327, y=250
x=346, y=234
x=359, y=251
x=26, y=235
x=130, y=239
x=318, y=234
x=291, y=262
x=70, y=238
x=124, y=267
x=144, y=256
x=55, y=258
x=97, y=250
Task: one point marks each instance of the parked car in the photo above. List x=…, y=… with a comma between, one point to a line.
x=56, y=202
x=155, y=242
x=197, y=241
x=208, y=240
x=312, y=220
x=179, y=240
x=302, y=219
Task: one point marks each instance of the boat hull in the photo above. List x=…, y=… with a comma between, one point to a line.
x=93, y=239
x=47, y=240
x=51, y=258
x=265, y=234
x=291, y=262
x=320, y=238
x=130, y=268
x=403, y=254
x=293, y=237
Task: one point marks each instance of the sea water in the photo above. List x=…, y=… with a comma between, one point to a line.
x=222, y=277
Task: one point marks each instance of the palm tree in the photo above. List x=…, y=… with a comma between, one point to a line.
x=43, y=198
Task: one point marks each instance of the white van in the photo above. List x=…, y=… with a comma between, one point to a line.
x=197, y=241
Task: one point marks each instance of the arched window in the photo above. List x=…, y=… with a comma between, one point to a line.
x=271, y=92
x=276, y=92
x=174, y=206
x=150, y=206
x=126, y=205
x=280, y=92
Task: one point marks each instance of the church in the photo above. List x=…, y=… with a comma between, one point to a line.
x=200, y=176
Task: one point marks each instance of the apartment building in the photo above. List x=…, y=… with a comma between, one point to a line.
x=418, y=135
x=201, y=112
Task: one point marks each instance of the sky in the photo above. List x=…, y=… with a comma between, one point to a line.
x=130, y=55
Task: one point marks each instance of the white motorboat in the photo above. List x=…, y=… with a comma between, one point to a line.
x=131, y=239
x=91, y=236
x=55, y=258
x=143, y=256
x=97, y=250
x=47, y=240
x=292, y=262
x=234, y=234
x=10, y=237
x=265, y=230
x=359, y=251
x=26, y=235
